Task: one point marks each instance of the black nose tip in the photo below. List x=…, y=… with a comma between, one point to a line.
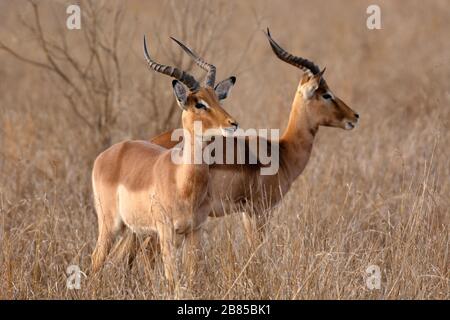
x=356, y=116
x=233, y=123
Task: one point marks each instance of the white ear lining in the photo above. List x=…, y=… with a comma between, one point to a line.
x=308, y=89
x=224, y=87
x=180, y=93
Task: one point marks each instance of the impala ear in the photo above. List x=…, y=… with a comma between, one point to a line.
x=180, y=93
x=223, y=88
x=312, y=85
x=305, y=79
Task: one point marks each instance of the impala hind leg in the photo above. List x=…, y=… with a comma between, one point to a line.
x=108, y=226
x=105, y=240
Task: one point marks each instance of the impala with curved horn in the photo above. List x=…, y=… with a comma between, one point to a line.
x=314, y=105
x=138, y=187
x=211, y=75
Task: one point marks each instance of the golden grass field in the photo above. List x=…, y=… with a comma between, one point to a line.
x=377, y=195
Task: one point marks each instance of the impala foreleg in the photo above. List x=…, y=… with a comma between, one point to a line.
x=192, y=252
x=255, y=227
x=168, y=250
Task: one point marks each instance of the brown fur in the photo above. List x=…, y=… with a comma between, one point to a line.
x=236, y=185
x=137, y=185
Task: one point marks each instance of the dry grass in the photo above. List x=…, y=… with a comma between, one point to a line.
x=379, y=195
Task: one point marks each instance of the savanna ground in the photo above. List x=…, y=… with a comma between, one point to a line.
x=377, y=195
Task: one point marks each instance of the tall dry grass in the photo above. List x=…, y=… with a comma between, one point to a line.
x=378, y=195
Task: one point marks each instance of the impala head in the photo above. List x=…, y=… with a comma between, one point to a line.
x=324, y=107
x=199, y=103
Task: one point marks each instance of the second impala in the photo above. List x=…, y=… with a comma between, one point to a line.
x=240, y=185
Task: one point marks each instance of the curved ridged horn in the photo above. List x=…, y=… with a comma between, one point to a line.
x=211, y=75
x=303, y=64
x=173, y=72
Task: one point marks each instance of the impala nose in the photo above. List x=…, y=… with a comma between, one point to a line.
x=356, y=116
x=233, y=123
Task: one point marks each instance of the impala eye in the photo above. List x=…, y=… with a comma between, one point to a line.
x=327, y=96
x=199, y=105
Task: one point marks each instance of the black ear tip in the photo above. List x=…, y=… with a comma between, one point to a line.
x=233, y=79
x=174, y=83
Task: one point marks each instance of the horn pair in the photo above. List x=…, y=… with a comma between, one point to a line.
x=181, y=75
x=305, y=65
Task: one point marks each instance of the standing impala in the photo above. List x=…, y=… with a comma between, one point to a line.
x=138, y=186
x=314, y=105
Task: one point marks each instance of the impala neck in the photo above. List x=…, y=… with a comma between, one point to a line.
x=297, y=140
x=193, y=151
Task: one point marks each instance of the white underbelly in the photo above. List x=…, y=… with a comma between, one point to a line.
x=139, y=210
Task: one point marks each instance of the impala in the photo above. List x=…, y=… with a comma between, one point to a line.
x=138, y=187
x=236, y=185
